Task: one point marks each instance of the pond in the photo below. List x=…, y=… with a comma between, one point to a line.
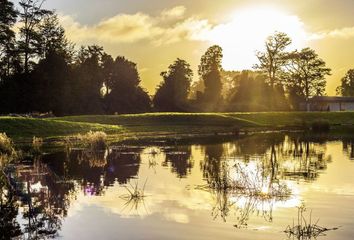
x=245, y=188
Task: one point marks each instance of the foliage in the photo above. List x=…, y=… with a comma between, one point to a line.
x=7, y=38
x=53, y=39
x=273, y=59
x=172, y=93
x=347, y=84
x=209, y=71
x=252, y=93
x=124, y=93
x=31, y=15
x=306, y=73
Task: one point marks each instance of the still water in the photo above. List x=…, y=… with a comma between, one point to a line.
x=247, y=188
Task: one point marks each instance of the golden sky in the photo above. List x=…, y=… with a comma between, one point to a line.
x=153, y=33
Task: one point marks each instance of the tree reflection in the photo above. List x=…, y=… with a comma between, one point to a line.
x=348, y=148
x=9, y=227
x=250, y=180
x=180, y=159
x=44, y=199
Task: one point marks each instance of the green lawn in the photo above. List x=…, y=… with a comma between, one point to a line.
x=166, y=124
x=241, y=120
x=25, y=128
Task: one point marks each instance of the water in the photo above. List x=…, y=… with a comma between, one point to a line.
x=81, y=195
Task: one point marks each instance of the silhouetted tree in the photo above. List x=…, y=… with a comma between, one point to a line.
x=31, y=15
x=88, y=82
x=306, y=73
x=125, y=95
x=172, y=93
x=210, y=72
x=249, y=93
x=272, y=61
x=347, y=84
x=274, y=58
x=53, y=39
x=51, y=85
x=7, y=37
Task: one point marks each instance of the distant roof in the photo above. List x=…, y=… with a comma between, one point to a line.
x=331, y=99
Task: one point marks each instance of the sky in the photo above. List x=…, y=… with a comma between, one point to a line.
x=153, y=33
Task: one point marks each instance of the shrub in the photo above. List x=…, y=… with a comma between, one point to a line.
x=320, y=126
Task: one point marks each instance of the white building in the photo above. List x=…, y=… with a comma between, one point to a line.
x=331, y=104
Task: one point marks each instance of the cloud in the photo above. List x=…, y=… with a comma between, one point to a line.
x=247, y=31
x=341, y=33
x=168, y=27
x=176, y=12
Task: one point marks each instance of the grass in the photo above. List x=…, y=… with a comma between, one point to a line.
x=242, y=120
x=168, y=125
x=19, y=128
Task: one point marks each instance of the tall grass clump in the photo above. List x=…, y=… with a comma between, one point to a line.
x=95, y=141
x=320, y=126
x=37, y=144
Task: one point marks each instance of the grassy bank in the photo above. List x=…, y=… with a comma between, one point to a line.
x=168, y=124
x=268, y=120
x=25, y=128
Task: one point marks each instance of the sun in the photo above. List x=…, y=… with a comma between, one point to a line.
x=247, y=31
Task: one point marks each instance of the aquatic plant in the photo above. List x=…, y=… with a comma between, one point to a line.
x=135, y=197
x=134, y=191
x=305, y=229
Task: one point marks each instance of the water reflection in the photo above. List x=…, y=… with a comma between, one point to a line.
x=348, y=148
x=239, y=180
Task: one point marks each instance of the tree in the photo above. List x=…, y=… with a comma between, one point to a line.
x=51, y=85
x=8, y=17
x=53, y=39
x=273, y=59
x=124, y=93
x=172, y=93
x=31, y=15
x=210, y=72
x=88, y=75
x=249, y=92
x=347, y=84
x=306, y=73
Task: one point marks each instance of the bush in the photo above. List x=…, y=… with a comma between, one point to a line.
x=320, y=126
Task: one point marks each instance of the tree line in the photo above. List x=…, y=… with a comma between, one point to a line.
x=42, y=71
